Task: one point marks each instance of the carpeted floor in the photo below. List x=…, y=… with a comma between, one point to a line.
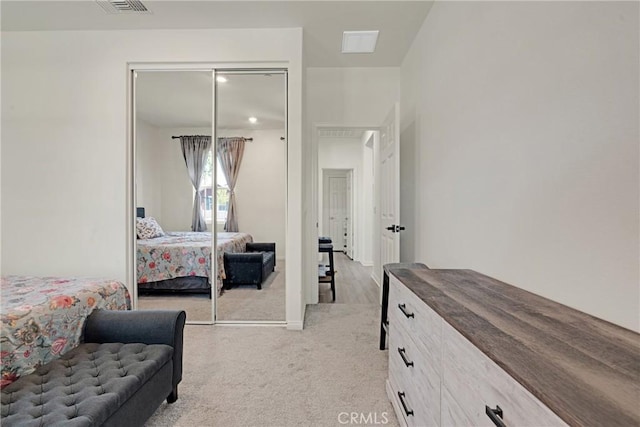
x=238, y=303
x=249, y=303
x=197, y=306
x=269, y=376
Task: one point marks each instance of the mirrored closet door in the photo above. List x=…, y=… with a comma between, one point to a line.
x=250, y=195
x=174, y=191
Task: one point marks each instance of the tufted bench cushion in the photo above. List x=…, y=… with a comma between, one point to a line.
x=85, y=386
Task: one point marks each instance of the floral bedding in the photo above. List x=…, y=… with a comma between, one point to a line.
x=43, y=317
x=188, y=253
x=176, y=254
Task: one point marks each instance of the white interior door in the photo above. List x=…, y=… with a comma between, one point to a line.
x=338, y=211
x=390, y=187
x=348, y=223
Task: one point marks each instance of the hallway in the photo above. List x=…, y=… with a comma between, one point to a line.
x=354, y=284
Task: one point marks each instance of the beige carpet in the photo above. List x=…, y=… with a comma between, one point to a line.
x=197, y=306
x=269, y=376
x=249, y=303
x=239, y=303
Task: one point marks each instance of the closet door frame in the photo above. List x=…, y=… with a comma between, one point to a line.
x=132, y=69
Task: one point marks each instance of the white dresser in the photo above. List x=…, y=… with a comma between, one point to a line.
x=438, y=377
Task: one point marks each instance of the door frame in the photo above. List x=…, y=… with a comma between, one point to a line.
x=131, y=197
x=389, y=190
x=311, y=292
x=348, y=175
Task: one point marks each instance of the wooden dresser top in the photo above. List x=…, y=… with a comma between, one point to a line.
x=584, y=369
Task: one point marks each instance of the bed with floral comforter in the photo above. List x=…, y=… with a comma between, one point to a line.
x=183, y=254
x=43, y=317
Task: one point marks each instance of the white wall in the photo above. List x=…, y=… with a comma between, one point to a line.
x=148, y=171
x=261, y=187
x=523, y=117
x=163, y=185
x=177, y=190
x=368, y=212
x=377, y=272
x=351, y=96
x=308, y=186
x=64, y=111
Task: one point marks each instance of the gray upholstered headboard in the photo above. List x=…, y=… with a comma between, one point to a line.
x=140, y=212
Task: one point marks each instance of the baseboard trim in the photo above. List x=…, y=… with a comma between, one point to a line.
x=375, y=279
x=251, y=323
x=394, y=402
x=295, y=325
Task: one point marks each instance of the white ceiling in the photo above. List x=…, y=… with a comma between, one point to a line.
x=171, y=99
x=322, y=21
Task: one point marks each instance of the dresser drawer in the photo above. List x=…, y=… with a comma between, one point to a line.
x=451, y=413
x=408, y=403
x=392, y=394
x=474, y=381
x=408, y=312
x=408, y=366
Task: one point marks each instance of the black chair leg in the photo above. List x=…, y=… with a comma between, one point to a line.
x=333, y=276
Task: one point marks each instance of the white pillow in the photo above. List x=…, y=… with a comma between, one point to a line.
x=148, y=228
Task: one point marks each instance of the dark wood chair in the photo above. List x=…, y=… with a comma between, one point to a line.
x=330, y=275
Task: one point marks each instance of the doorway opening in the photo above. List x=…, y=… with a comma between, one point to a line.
x=337, y=218
x=347, y=203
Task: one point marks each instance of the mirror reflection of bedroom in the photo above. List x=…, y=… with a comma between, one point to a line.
x=240, y=205
x=173, y=259
x=251, y=195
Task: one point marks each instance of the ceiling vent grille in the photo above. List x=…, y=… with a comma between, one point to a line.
x=123, y=6
x=340, y=133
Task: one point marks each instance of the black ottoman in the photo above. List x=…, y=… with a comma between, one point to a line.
x=251, y=267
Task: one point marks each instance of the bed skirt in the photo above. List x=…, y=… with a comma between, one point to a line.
x=179, y=284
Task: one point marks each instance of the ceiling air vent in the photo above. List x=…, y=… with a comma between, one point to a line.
x=340, y=133
x=123, y=6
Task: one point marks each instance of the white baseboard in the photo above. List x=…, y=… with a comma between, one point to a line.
x=367, y=263
x=375, y=279
x=295, y=325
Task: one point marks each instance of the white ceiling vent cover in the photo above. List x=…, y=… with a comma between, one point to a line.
x=359, y=41
x=123, y=6
x=340, y=133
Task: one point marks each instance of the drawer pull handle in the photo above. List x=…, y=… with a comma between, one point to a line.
x=495, y=415
x=404, y=405
x=406, y=361
x=403, y=309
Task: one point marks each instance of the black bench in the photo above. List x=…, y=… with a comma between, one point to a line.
x=251, y=267
x=128, y=363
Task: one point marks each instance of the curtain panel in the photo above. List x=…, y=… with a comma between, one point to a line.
x=230, y=151
x=195, y=150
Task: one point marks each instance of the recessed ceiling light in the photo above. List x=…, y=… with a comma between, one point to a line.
x=221, y=79
x=253, y=120
x=359, y=41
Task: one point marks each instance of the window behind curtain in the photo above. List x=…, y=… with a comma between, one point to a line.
x=206, y=192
